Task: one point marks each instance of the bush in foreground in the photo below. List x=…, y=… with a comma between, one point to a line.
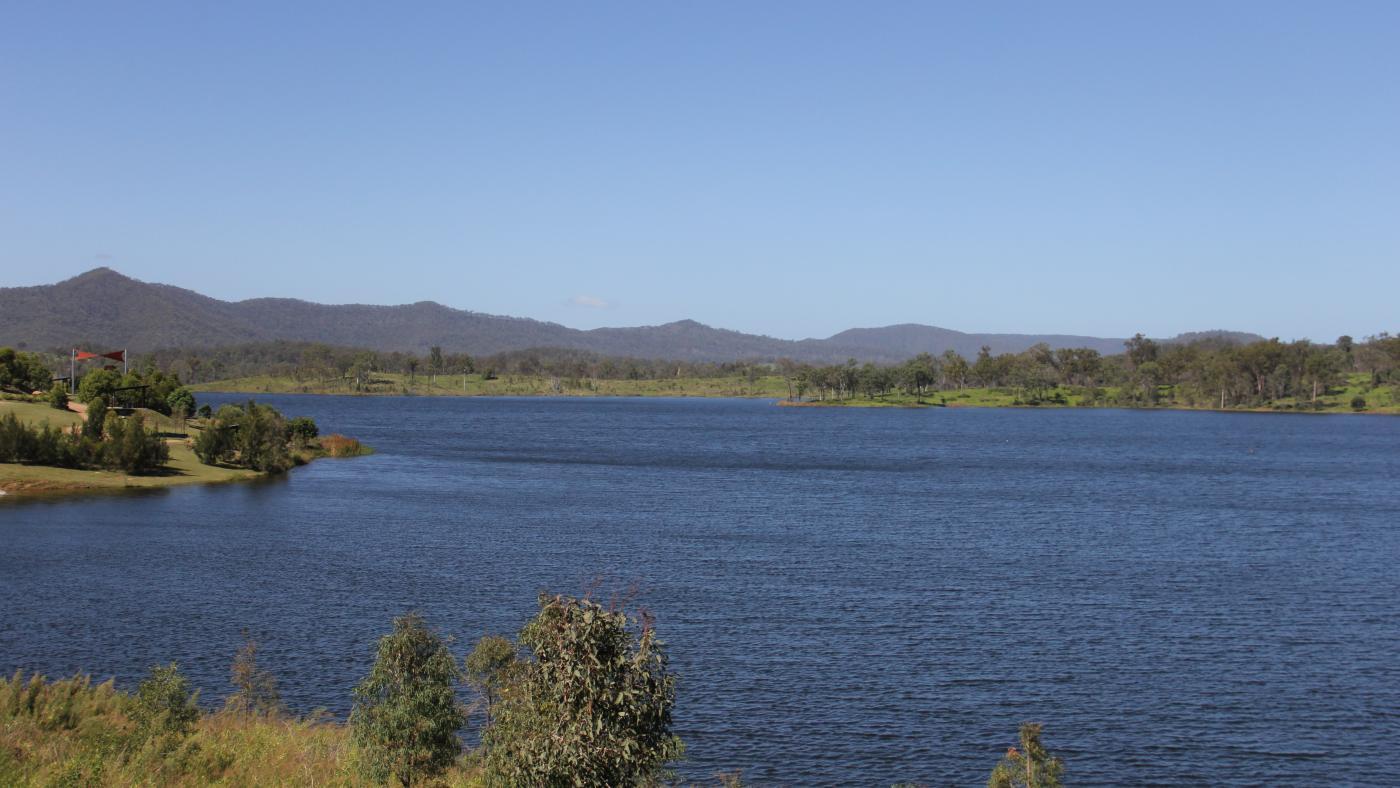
x=1031, y=766
x=406, y=713
x=590, y=706
x=593, y=706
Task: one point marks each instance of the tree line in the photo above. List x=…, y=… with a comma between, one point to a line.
x=315, y=362
x=1197, y=373
x=104, y=441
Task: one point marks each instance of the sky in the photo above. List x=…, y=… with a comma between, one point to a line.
x=785, y=168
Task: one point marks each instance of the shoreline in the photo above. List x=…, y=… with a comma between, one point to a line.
x=21, y=482
x=980, y=398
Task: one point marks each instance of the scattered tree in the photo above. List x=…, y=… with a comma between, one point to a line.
x=1031, y=766
x=406, y=713
x=488, y=668
x=180, y=403
x=96, y=418
x=255, y=689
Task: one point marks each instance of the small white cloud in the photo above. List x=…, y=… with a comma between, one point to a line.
x=591, y=302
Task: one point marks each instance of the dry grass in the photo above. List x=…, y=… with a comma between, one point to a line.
x=72, y=732
x=340, y=446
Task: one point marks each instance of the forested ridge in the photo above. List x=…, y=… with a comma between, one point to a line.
x=103, y=308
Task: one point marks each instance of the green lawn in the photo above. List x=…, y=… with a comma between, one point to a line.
x=183, y=468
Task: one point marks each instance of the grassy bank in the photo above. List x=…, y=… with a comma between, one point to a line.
x=23, y=481
x=18, y=480
x=74, y=732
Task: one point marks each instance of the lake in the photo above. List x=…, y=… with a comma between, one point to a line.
x=850, y=596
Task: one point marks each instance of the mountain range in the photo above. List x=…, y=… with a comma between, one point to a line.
x=110, y=310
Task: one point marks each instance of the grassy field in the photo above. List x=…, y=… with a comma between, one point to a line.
x=31, y=480
x=1338, y=400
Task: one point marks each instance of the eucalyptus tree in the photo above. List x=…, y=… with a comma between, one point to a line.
x=406, y=715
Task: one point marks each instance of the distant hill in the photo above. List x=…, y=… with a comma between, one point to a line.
x=105, y=307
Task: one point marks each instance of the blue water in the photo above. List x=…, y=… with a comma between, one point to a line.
x=850, y=596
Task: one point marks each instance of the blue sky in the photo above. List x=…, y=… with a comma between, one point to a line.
x=783, y=168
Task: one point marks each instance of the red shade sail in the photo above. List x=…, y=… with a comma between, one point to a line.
x=83, y=355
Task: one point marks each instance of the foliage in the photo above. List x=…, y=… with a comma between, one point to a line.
x=164, y=703
x=58, y=396
x=74, y=732
x=488, y=668
x=96, y=418
x=252, y=436
x=593, y=706
x=255, y=689
x=99, y=384
x=128, y=446
x=1032, y=766
x=180, y=403
x=148, y=387
x=302, y=430
x=23, y=372
x=406, y=714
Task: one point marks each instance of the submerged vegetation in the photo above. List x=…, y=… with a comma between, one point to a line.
x=582, y=697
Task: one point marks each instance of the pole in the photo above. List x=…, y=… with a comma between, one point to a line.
x=123, y=362
x=72, y=371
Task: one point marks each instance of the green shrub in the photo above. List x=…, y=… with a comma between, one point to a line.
x=58, y=396
x=132, y=448
x=180, y=403
x=593, y=707
x=98, y=384
x=22, y=371
x=302, y=430
x=96, y=418
x=406, y=714
x=252, y=436
x=1032, y=766
x=1358, y=402
x=164, y=703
